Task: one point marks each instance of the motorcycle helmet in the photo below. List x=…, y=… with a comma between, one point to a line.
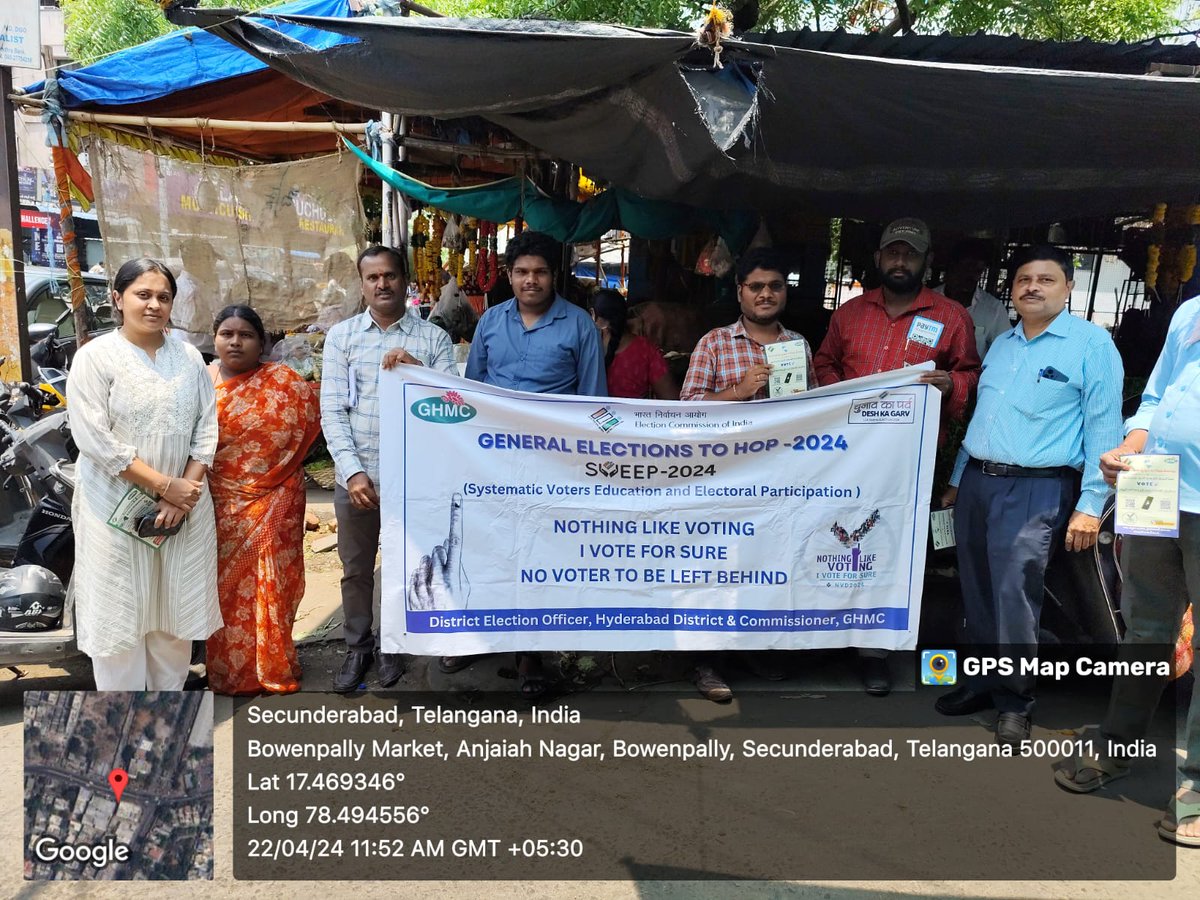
x=31, y=599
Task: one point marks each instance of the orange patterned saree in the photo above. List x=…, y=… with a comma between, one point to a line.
x=268, y=419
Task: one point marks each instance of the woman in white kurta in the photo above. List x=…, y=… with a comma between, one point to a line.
x=142, y=411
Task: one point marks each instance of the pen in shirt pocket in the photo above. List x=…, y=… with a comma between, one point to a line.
x=1052, y=374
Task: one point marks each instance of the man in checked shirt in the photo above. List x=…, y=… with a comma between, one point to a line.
x=730, y=363
x=354, y=353
x=902, y=323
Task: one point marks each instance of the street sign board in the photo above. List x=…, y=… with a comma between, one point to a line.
x=20, y=34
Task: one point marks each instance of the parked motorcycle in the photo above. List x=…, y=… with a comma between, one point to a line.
x=37, y=542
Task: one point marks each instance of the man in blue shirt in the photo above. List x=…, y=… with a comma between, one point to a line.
x=536, y=342
x=1049, y=405
x=1161, y=574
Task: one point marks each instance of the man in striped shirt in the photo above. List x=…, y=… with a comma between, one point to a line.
x=1049, y=406
x=354, y=354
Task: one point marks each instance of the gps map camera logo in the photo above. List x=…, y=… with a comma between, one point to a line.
x=852, y=568
x=444, y=410
x=939, y=667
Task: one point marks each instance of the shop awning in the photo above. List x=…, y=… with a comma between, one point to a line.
x=192, y=73
x=962, y=145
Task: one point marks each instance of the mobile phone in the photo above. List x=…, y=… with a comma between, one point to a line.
x=147, y=529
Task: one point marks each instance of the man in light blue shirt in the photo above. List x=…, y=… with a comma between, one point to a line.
x=1162, y=575
x=1049, y=405
x=354, y=353
x=535, y=342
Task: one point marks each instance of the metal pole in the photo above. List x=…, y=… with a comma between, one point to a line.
x=14, y=330
x=385, y=207
x=402, y=211
x=1091, y=307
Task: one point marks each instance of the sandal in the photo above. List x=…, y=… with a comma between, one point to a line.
x=1090, y=774
x=448, y=665
x=1178, y=811
x=531, y=675
x=711, y=685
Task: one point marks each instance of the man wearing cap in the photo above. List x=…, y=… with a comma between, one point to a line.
x=901, y=323
x=1049, y=406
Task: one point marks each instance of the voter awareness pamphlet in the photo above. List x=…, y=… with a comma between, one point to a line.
x=789, y=368
x=1148, y=496
x=941, y=526
x=131, y=507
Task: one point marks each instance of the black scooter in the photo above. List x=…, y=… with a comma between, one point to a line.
x=37, y=542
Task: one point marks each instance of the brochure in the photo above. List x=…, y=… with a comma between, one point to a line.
x=131, y=507
x=1148, y=496
x=789, y=368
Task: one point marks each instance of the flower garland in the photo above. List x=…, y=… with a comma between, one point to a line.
x=455, y=242
x=420, y=239
x=429, y=279
x=486, y=268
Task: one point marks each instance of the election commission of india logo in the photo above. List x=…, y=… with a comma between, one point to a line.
x=444, y=410
x=605, y=419
x=851, y=567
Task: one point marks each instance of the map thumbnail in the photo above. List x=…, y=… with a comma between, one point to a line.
x=159, y=745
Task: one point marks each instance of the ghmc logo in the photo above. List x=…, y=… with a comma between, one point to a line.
x=444, y=410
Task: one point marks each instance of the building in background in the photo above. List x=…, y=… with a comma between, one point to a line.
x=40, y=229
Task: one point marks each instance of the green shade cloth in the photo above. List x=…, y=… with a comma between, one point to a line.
x=566, y=220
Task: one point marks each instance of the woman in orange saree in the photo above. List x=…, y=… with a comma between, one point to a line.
x=268, y=418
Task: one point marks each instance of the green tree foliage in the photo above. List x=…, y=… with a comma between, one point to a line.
x=96, y=28
x=1105, y=20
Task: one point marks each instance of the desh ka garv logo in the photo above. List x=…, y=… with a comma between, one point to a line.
x=939, y=667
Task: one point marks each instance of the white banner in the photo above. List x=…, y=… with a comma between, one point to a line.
x=516, y=521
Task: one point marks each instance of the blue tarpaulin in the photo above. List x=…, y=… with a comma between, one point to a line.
x=186, y=58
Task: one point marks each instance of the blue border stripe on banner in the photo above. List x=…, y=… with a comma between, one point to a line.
x=471, y=621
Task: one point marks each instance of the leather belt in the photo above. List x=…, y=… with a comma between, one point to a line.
x=1004, y=469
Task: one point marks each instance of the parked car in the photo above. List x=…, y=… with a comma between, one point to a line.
x=48, y=309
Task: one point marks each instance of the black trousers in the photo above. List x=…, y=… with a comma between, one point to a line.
x=1006, y=528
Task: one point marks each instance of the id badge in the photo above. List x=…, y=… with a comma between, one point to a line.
x=926, y=331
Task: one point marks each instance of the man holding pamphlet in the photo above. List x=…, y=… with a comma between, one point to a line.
x=751, y=359
x=1162, y=571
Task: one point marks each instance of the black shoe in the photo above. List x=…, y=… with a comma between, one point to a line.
x=876, y=677
x=1011, y=729
x=391, y=668
x=963, y=701
x=354, y=670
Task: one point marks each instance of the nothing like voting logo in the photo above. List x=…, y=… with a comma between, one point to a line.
x=939, y=667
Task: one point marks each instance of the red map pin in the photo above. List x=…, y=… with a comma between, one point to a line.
x=118, y=778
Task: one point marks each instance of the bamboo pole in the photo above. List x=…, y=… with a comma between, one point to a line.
x=201, y=124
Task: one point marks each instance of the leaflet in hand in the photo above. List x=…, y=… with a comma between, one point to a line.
x=1148, y=496
x=941, y=524
x=130, y=508
x=789, y=368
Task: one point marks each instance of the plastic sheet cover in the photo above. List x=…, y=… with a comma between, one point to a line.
x=282, y=237
x=960, y=145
